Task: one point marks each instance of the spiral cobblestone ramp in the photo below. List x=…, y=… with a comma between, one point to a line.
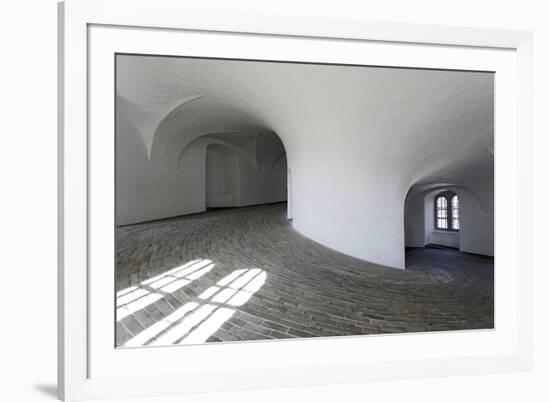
x=245, y=274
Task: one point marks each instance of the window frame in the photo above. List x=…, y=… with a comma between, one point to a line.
x=448, y=195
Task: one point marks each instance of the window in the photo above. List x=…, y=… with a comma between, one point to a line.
x=447, y=211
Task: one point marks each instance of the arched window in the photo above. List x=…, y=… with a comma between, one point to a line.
x=446, y=210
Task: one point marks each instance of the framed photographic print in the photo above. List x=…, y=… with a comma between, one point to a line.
x=260, y=201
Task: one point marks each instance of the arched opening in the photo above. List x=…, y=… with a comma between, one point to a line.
x=449, y=215
x=432, y=217
x=240, y=169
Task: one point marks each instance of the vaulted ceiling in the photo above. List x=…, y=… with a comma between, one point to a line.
x=435, y=126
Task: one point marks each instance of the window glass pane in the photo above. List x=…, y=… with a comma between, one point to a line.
x=455, y=213
x=441, y=213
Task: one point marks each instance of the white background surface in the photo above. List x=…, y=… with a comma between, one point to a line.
x=28, y=201
x=104, y=42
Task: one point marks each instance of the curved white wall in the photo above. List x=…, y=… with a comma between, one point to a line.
x=356, y=139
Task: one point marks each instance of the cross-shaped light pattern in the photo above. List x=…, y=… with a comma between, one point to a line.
x=197, y=320
x=136, y=298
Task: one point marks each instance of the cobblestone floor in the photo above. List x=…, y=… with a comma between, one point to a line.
x=245, y=274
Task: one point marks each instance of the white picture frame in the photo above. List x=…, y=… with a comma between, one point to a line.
x=87, y=366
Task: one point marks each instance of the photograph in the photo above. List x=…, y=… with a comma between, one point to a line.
x=261, y=200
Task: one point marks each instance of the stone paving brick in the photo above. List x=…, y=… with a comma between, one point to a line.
x=276, y=327
x=132, y=326
x=280, y=335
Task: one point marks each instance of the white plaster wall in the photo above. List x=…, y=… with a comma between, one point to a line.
x=265, y=180
x=448, y=239
x=427, y=201
x=477, y=225
x=149, y=188
x=289, y=205
x=356, y=138
x=263, y=187
x=415, y=222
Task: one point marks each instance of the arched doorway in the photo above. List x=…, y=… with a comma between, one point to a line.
x=221, y=177
x=242, y=169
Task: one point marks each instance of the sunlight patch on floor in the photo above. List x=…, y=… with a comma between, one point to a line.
x=153, y=289
x=196, y=321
